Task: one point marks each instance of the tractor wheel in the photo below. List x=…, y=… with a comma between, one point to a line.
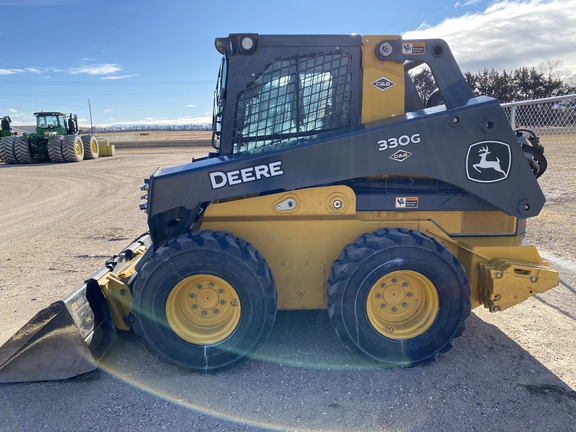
x=205, y=301
x=22, y=150
x=55, y=149
x=398, y=297
x=91, y=150
x=7, y=154
x=72, y=148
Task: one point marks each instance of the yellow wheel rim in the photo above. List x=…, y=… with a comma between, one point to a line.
x=94, y=146
x=78, y=146
x=203, y=309
x=402, y=305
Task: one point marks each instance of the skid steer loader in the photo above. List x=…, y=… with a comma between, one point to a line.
x=332, y=185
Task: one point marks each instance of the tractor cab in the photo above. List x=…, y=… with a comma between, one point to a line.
x=50, y=122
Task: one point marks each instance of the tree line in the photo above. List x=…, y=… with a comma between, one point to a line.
x=146, y=128
x=519, y=84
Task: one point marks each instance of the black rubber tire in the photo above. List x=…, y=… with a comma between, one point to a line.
x=55, y=149
x=72, y=148
x=91, y=150
x=371, y=257
x=536, y=159
x=22, y=150
x=436, y=98
x=205, y=252
x=7, y=150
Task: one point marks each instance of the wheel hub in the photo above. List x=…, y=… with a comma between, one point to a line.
x=402, y=304
x=203, y=309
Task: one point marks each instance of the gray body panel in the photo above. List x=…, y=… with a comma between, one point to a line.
x=177, y=194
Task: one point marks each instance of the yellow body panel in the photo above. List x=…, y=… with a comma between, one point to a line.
x=117, y=293
x=301, y=233
x=383, y=83
x=104, y=147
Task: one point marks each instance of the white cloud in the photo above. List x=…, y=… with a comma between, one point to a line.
x=95, y=69
x=10, y=71
x=466, y=3
x=191, y=106
x=510, y=34
x=119, y=77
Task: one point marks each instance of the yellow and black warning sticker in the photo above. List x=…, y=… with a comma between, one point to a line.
x=414, y=48
x=406, y=202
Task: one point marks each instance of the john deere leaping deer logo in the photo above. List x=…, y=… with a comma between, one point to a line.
x=488, y=162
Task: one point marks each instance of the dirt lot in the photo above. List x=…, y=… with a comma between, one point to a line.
x=510, y=371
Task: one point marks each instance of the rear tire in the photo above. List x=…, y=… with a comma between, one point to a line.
x=72, y=148
x=22, y=150
x=55, y=149
x=205, y=301
x=398, y=297
x=91, y=149
x=7, y=150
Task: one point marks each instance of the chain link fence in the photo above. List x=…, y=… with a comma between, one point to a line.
x=553, y=119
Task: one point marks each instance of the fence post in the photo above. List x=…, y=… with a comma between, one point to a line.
x=513, y=116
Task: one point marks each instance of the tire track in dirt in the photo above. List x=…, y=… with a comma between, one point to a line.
x=60, y=222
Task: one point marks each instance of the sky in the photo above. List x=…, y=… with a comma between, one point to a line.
x=150, y=62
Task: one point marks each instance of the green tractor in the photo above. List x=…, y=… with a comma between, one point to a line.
x=56, y=139
x=6, y=129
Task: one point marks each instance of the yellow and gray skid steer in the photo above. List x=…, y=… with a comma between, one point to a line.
x=332, y=185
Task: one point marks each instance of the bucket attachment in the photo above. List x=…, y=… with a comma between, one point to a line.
x=62, y=341
x=70, y=336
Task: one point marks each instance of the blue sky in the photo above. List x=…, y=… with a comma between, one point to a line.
x=142, y=61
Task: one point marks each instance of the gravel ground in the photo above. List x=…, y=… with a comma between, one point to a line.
x=509, y=371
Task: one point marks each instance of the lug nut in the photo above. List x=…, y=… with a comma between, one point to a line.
x=192, y=295
x=194, y=306
x=379, y=296
x=408, y=294
x=404, y=304
x=203, y=313
x=383, y=305
x=215, y=311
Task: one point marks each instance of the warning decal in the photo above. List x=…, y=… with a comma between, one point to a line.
x=406, y=202
x=416, y=48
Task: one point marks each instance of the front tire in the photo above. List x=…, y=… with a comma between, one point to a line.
x=205, y=301
x=55, y=149
x=72, y=148
x=398, y=297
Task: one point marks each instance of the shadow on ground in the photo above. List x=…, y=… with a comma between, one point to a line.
x=305, y=379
